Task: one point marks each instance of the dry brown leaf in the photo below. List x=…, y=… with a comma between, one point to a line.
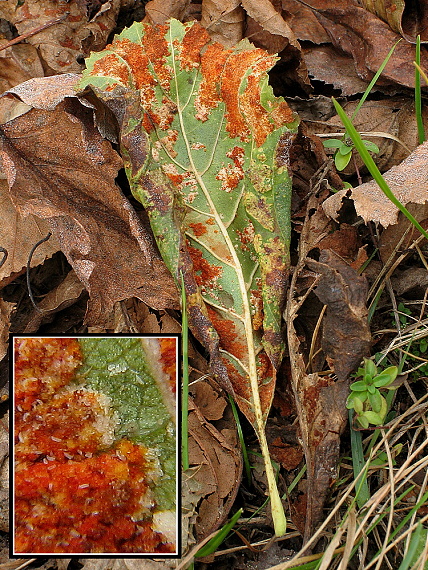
x=320, y=400
x=60, y=298
x=368, y=39
x=408, y=182
x=159, y=11
x=303, y=23
x=335, y=68
x=406, y=18
x=99, y=232
x=224, y=20
x=18, y=234
x=5, y=312
x=345, y=330
x=63, y=45
x=17, y=64
x=219, y=463
x=398, y=237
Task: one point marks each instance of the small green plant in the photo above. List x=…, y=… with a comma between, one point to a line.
x=344, y=149
x=365, y=398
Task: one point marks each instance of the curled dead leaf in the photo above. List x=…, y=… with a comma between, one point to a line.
x=406, y=18
x=217, y=460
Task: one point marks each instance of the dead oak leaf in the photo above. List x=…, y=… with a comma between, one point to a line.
x=59, y=168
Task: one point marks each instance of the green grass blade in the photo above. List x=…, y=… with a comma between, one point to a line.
x=185, y=397
x=413, y=546
x=212, y=545
x=372, y=168
x=373, y=81
x=247, y=466
x=358, y=462
x=418, y=95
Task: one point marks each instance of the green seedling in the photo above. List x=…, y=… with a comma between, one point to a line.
x=344, y=149
x=365, y=398
x=345, y=146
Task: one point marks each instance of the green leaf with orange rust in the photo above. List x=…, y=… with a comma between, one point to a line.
x=205, y=145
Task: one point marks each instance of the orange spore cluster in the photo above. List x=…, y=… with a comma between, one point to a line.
x=169, y=360
x=76, y=489
x=86, y=506
x=43, y=366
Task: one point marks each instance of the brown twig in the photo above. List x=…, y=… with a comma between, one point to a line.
x=35, y=31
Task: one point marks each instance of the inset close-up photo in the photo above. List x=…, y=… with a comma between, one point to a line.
x=95, y=445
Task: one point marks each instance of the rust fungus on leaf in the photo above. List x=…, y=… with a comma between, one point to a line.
x=212, y=64
x=137, y=61
x=198, y=229
x=254, y=112
x=110, y=65
x=234, y=73
x=282, y=114
x=226, y=329
x=205, y=274
x=39, y=374
x=195, y=38
x=157, y=50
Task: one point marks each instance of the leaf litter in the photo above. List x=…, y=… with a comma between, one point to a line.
x=311, y=22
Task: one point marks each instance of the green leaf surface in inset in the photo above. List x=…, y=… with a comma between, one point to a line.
x=206, y=149
x=120, y=368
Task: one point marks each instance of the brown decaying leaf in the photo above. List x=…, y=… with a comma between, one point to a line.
x=98, y=230
x=159, y=11
x=17, y=64
x=218, y=461
x=368, y=40
x=406, y=18
x=224, y=21
x=327, y=64
x=408, y=182
x=62, y=44
x=5, y=312
x=18, y=234
x=320, y=399
x=60, y=298
x=304, y=24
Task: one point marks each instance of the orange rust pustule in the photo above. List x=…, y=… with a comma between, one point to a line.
x=157, y=50
x=255, y=114
x=212, y=64
x=111, y=66
x=137, y=61
x=168, y=347
x=282, y=114
x=226, y=330
x=199, y=229
x=195, y=38
x=205, y=274
x=42, y=366
x=63, y=428
x=86, y=506
x=233, y=74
